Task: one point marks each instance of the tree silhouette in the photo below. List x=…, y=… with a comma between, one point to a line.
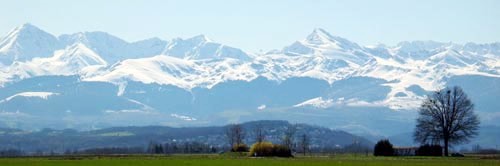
x=383, y=148
x=289, y=135
x=447, y=115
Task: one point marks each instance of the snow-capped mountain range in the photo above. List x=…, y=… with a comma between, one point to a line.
x=350, y=75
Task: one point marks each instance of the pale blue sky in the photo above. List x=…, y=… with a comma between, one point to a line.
x=263, y=24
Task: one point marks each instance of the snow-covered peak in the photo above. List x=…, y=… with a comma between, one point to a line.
x=201, y=62
x=321, y=44
x=26, y=28
x=321, y=37
x=192, y=41
x=92, y=38
x=80, y=55
x=76, y=59
x=111, y=48
x=26, y=42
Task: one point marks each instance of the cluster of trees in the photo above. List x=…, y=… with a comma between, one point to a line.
x=385, y=148
x=152, y=148
x=11, y=152
x=290, y=142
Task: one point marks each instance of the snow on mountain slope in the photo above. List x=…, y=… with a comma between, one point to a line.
x=417, y=50
x=25, y=43
x=320, y=55
x=200, y=47
x=151, y=81
x=111, y=48
x=221, y=70
x=183, y=73
x=158, y=69
x=320, y=42
x=322, y=39
x=114, y=49
x=42, y=95
x=414, y=65
x=73, y=60
x=281, y=67
x=318, y=102
x=429, y=73
x=410, y=69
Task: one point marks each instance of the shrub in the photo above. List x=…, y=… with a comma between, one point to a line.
x=282, y=151
x=261, y=149
x=267, y=149
x=240, y=148
x=429, y=150
x=383, y=148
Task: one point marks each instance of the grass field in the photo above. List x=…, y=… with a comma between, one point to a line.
x=206, y=160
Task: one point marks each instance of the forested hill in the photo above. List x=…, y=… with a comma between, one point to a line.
x=69, y=139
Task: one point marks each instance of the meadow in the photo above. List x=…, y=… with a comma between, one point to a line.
x=224, y=160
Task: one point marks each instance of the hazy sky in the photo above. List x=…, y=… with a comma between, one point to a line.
x=263, y=24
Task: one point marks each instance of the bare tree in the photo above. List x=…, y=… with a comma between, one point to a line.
x=239, y=134
x=289, y=135
x=230, y=135
x=235, y=134
x=304, y=143
x=259, y=133
x=447, y=115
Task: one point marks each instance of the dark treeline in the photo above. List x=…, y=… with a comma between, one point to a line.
x=152, y=148
x=11, y=152
x=185, y=147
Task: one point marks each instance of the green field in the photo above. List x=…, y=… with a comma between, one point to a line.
x=206, y=160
